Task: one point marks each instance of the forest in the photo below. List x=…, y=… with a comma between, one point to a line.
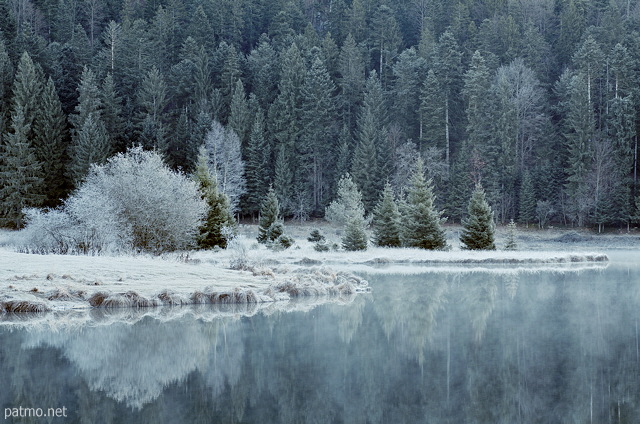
x=537, y=100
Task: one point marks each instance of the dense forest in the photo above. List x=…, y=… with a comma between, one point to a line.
x=537, y=100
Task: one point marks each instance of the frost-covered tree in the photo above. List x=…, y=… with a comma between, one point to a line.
x=421, y=222
x=511, y=244
x=347, y=204
x=225, y=160
x=219, y=221
x=386, y=220
x=133, y=201
x=478, y=231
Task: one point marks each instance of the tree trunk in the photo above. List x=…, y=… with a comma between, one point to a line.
x=446, y=129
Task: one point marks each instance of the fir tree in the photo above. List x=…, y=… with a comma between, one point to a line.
x=355, y=237
x=257, y=168
x=527, y=200
x=219, y=219
x=511, y=237
x=271, y=226
x=50, y=144
x=347, y=204
x=239, y=115
x=421, y=223
x=478, y=231
x=386, y=220
x=20, y=174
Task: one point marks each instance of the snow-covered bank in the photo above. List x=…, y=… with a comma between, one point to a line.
x=36, y=283
x=58, y=282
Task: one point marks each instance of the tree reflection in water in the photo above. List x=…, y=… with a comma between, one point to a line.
x=479, y=346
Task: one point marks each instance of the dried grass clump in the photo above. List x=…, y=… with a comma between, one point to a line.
x=20, y=306
x=62, y=294
x=237, y=296
x=171, y=299
x=121, y=300
x=98, y=299
x=321, y=282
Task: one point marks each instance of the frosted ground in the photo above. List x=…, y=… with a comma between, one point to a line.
x=65, y=282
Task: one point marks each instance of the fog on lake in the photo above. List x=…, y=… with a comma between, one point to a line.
x=466, y=345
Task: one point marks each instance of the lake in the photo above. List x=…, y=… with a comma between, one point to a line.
x=448, y=345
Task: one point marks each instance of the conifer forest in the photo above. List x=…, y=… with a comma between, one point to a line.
x=536, y=100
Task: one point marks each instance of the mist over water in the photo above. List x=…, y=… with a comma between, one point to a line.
x=473, y=346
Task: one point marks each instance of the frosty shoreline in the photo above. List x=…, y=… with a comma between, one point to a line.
x=37, y=283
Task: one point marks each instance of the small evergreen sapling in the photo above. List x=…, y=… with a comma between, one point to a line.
x=315, y=236
x=421, y=223
x=271, y=227
x=511, y=237
x=386, y=220
x=478, y=231
x=355, y=236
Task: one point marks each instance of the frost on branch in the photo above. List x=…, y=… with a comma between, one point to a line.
x=225, y=160
x=133, y=201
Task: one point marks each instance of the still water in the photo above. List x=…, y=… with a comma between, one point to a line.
x=467, y=345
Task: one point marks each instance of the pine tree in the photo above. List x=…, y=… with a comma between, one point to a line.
x=478, y=231
x=257, y=166
x=90, y=142
x=421, y=223
x=283, y=181
x=239, y=115
x=316, y=144
x=386, y=220
x=271, y=226
x=527, y=210
x=50, y=144
x=219, y=222
x=511, y=237
x=20, y=174
x=352, y=81
x=348, y=203
x=355, y=237
x=27, y=91
x=111, y=113
x=152, y=100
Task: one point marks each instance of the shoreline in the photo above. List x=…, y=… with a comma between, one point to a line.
x=41, y=283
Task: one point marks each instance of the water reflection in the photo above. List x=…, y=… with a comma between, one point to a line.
x=447, y=347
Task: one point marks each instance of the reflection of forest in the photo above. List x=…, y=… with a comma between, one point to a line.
x=448, y=348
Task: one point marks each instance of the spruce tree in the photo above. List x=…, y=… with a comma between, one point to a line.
x=421, y=222
x=219, y=219
x=20, y=174
x=317, y=142
x=50, y=144
x=271, y=226
x=347, y=204
x=511, y=237
x=478, y=231
x=386, y=220
x=355, y=237
x=257, y=165
x=90, y=142
x=527, y=200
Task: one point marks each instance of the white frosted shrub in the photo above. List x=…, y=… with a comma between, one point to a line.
x=132, y=201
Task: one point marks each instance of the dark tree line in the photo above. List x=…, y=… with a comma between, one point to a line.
x=537, y=100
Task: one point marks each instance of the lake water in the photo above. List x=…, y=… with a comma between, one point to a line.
x=488, y=345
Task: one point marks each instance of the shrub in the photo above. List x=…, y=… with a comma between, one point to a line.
x=132, y=201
